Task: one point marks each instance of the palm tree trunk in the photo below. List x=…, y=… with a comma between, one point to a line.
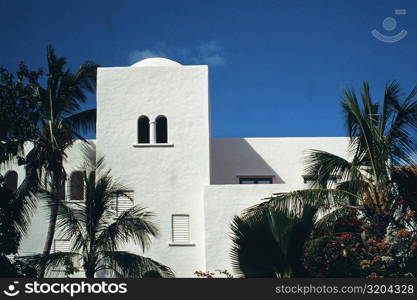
x=89, y=274
x=51, y=226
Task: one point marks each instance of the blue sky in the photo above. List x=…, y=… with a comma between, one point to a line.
x=276, y=67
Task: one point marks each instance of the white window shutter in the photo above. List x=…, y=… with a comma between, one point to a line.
x=181, y=229
x=65, y=246
x=62, y=246
x=124, y=203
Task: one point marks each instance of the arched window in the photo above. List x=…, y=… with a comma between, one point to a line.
x=143, y=130
x=10, y=180
x=161, y=129
x=152, y=274
x=77, y=186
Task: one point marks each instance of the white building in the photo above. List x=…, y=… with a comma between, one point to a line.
x=153, y=128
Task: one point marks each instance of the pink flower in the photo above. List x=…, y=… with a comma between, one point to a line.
x=347, y=236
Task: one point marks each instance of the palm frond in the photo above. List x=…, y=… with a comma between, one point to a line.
x=327, y=222
x=86, y=76
x=294, y=202
x=254, y=252
x=401, y=135
x=25, y=202
x=71, y=219
x=134, y=224
x=269, y=243
x=82, y=122
x=49, y=263
x=323, y=166
x=128, y=265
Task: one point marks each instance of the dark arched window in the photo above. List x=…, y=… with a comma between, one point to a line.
x=152, y=274
x=10, y=180
x=77, y=186
x=161, y=129
x=143, y=130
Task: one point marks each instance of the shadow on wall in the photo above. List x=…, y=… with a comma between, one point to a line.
x=234, y=158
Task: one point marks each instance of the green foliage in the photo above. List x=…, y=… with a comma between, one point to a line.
x=406, y=181
x=19, y=116
x=332, y=256
x=341, y=250
x=7, y=269
x=337, y=249
x=9, y=235
x=269, y=242
x=19, y=110
x=15, y=268
x=69, y=267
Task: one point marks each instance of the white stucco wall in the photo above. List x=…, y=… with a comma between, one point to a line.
x=282, y=158
x=167, y=180
x=222, y=203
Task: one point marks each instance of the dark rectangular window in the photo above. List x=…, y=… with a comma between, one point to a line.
x=255, y=180
x=308, y=179
x=77, y=188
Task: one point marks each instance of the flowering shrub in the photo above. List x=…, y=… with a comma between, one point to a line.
x=343, y=249
x=207, y=274
x=204, y=274
x=333, y=256
x=389, y=258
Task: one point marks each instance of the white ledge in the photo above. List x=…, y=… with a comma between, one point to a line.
x=181, y=244
x=152, y=145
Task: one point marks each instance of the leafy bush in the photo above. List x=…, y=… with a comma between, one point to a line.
x=333, y=256
x=343, y=250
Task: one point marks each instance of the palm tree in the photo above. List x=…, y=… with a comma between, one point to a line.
x=382, y=138
x=61, y=122
x=269, y=243
x=96, y=234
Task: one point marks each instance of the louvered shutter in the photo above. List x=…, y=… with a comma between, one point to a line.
x=124, y=203
x=62, y=246
x=181, y=229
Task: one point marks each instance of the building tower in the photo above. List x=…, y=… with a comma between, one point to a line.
x=153, y=130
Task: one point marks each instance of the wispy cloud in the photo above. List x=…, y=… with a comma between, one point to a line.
x=210, y=53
